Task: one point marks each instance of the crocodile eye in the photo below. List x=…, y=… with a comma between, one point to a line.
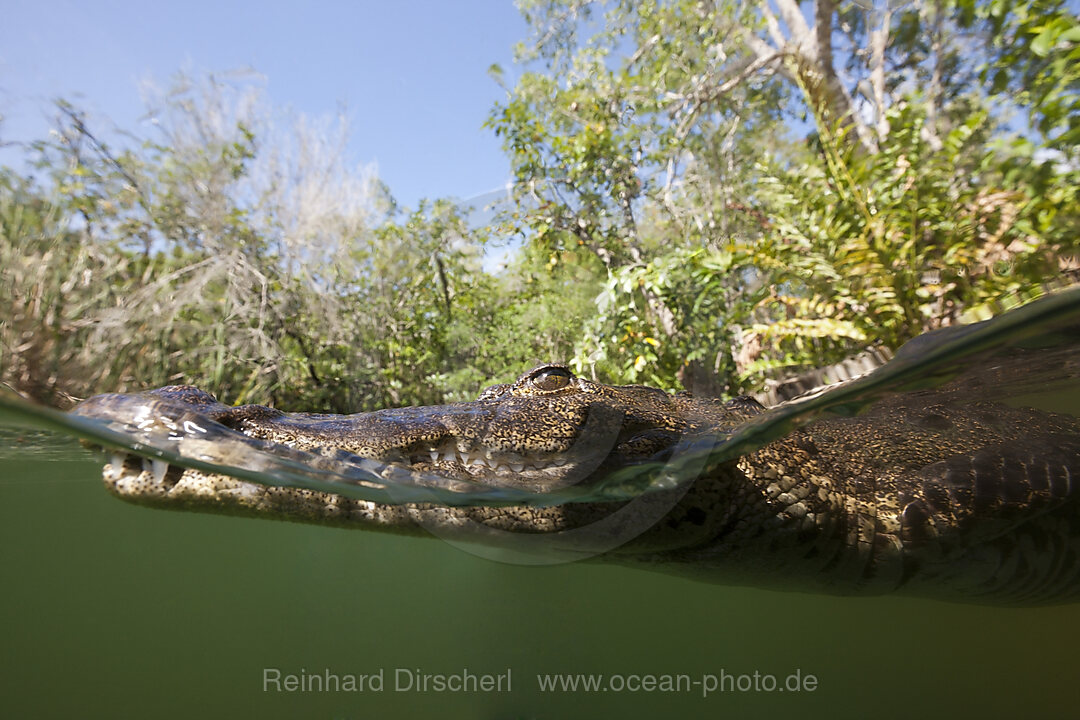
x=552, y=378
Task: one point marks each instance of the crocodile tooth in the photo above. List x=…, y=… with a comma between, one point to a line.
x=117, y=463
x=517, y=466
x=159, y=468
x=146, y=465
x=434, y=454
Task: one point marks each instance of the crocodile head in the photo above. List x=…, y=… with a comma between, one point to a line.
x=548, y=430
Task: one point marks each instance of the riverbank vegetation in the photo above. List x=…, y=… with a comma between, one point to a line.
x=705, y=195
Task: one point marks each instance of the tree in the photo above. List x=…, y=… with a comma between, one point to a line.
x=651, y=133
x=189, y=257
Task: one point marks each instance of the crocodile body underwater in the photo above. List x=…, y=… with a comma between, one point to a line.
x=928, y=492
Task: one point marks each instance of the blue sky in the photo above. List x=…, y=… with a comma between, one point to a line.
x=412, y=75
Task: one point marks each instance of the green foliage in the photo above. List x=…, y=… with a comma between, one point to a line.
x=890, y=245
x=703, y=199
x=1036, y=62
x=742, y=254
x=701, y=289
x=544, y=301
x=178, y=261
x=48, y=289
x=422, y=305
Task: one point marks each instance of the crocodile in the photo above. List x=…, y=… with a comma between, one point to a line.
x=927, y=493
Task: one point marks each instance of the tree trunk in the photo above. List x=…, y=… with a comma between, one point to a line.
x=806, y=58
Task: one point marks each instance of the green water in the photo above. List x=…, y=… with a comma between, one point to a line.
x=114, y=610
